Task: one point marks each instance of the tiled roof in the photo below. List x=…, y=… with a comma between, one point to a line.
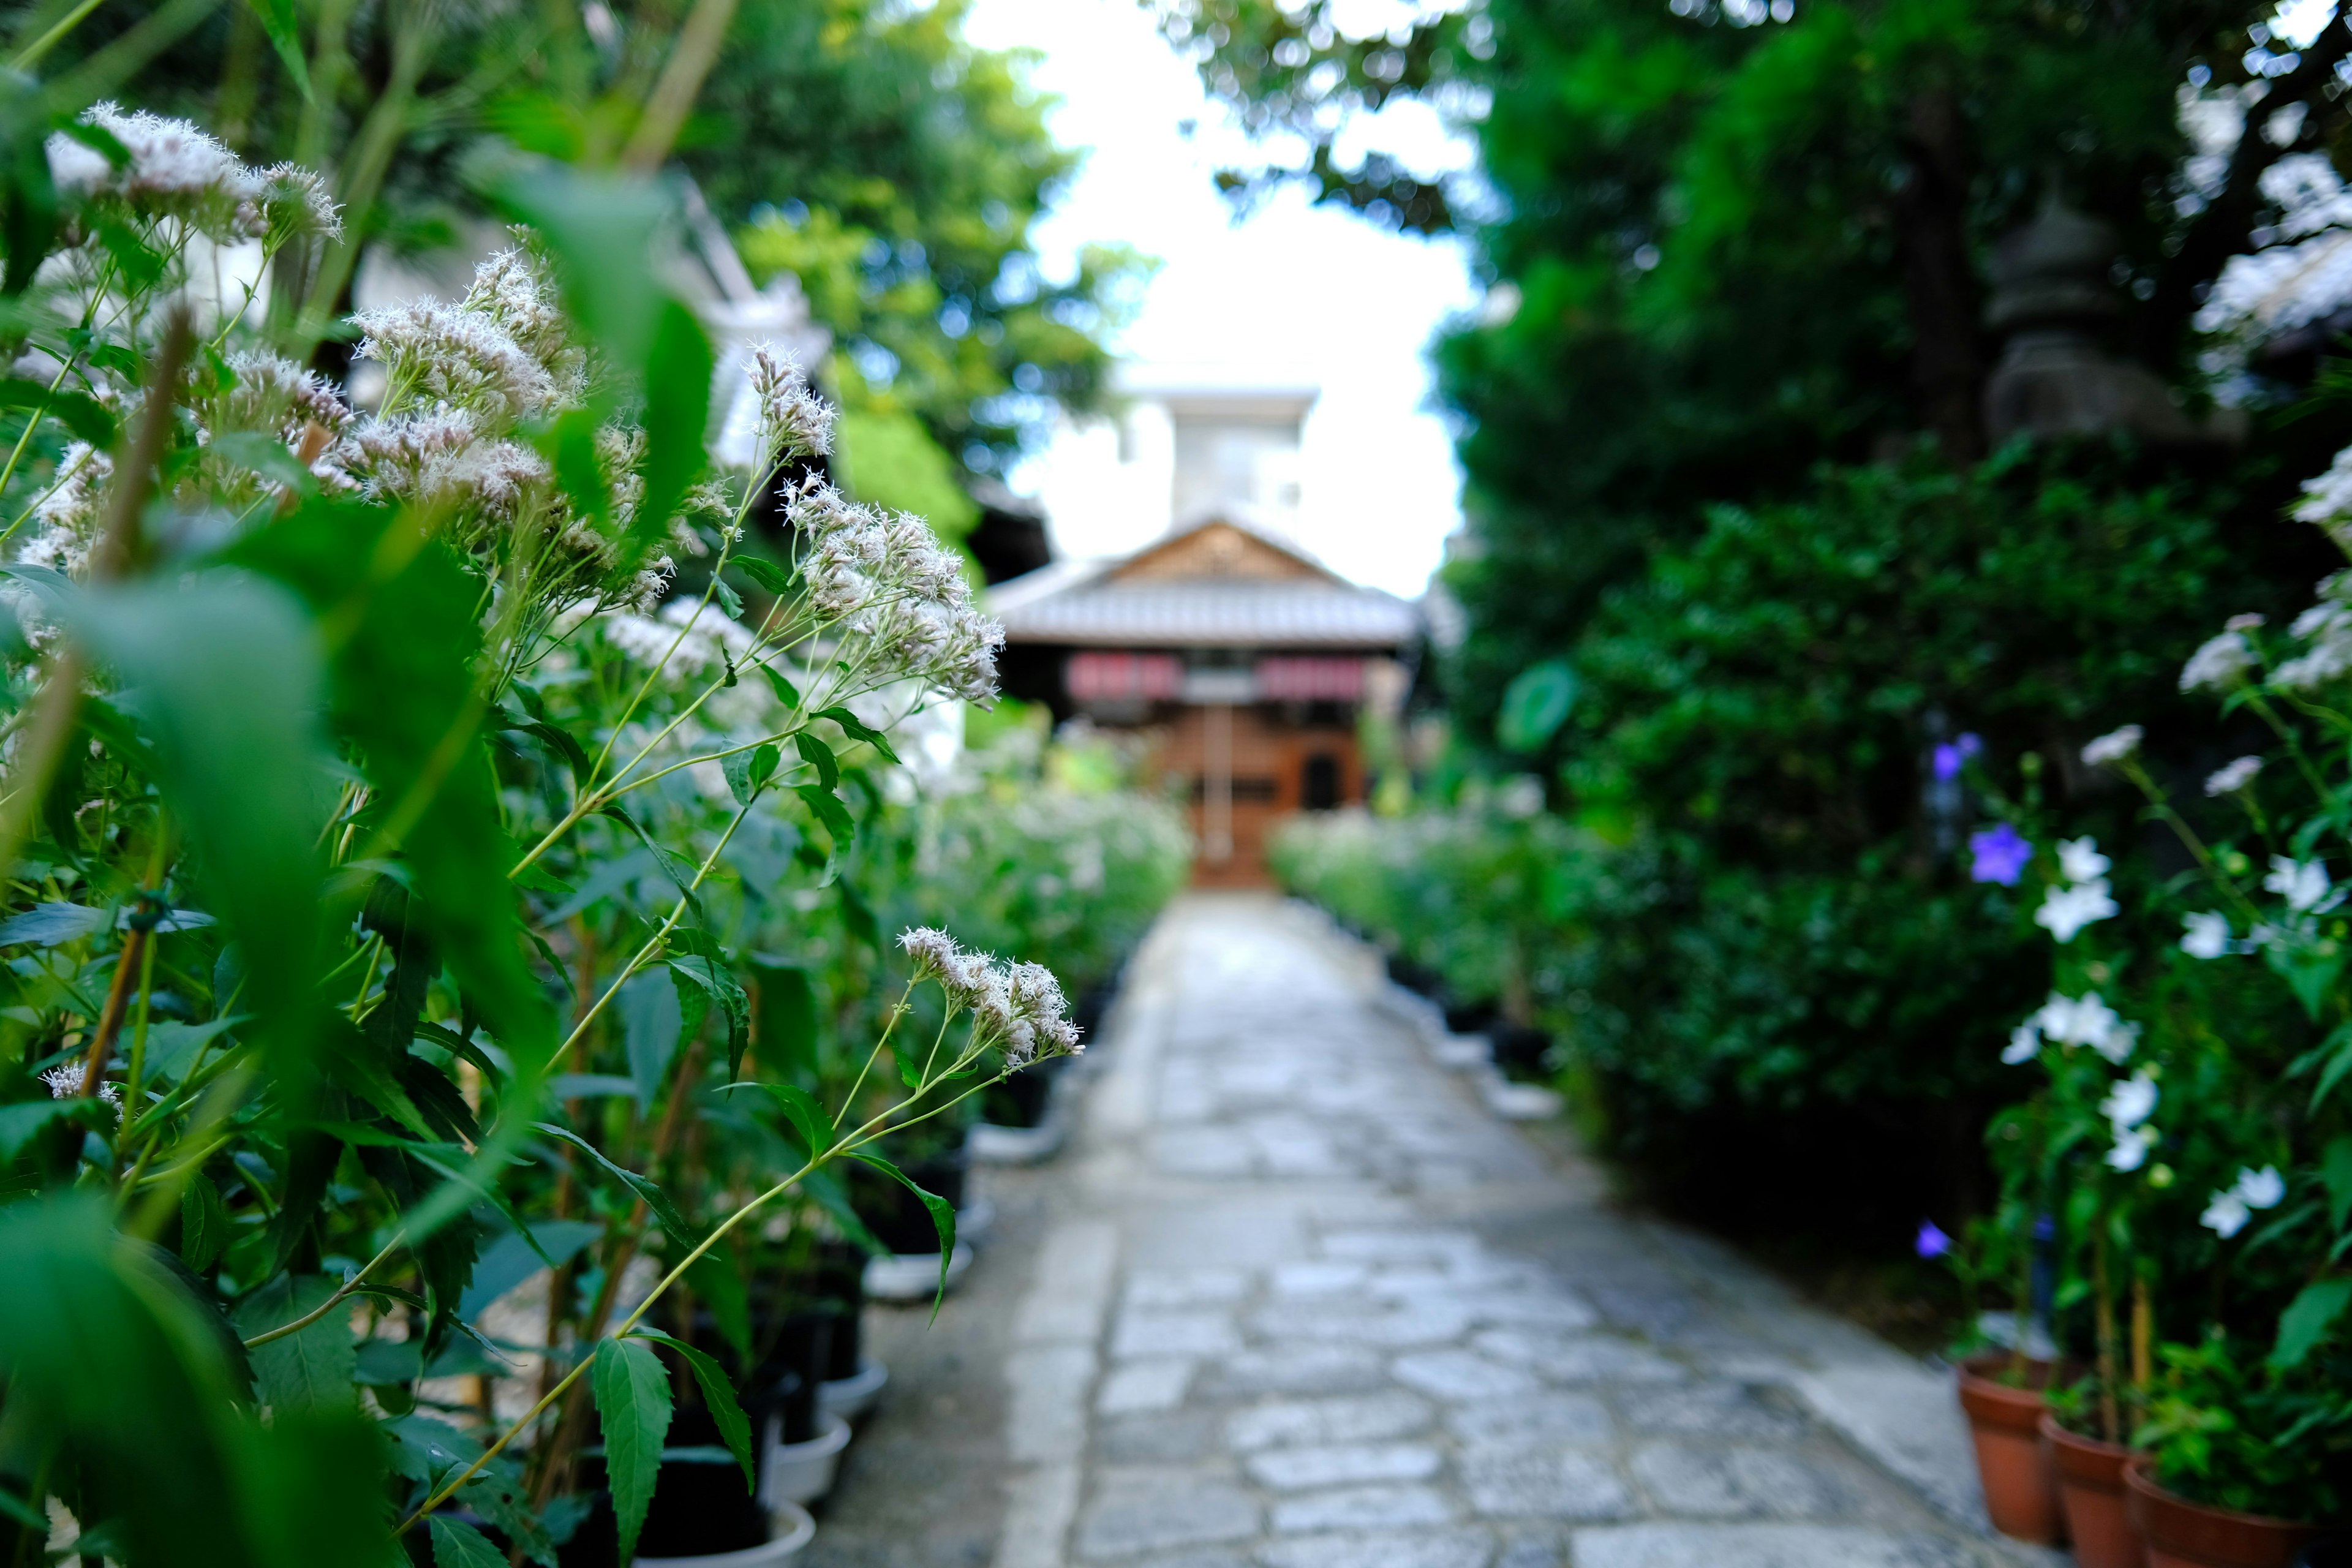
x=1088, y=609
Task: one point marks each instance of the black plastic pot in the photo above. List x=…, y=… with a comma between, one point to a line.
x=1519, y=1050
x=1414, y=976
x=1022, y=1099
x=899, y=1219
x=700, y=1507
x=840, y=1283
x=2327, y=1551
x=1471, y=1018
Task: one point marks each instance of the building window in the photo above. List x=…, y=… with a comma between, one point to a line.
x=1319, y=790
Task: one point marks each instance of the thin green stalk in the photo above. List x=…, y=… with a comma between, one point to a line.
x=323, y=1308
x=30, y=55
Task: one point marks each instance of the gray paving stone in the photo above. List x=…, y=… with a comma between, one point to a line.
x=1168, y=1437
x=1296, y=1369
x=1543, y=1417
x=1399, y=1549
x=1457, y=1375
x=1713, y=1481
x=1147, y=1511
x=1706, y=1409
x=1531, y=1552
x=1173, y=1333
x=1762, y=1546
x=1154, y=1385
x=1361, y=1508
x=1319, y=1279
x=1579, y=1358
x=1150, y=1287
x=1402, y=1245
x=1356, y=1420
x=1296, y=1469
x=1358, y=1322
x=1539, y=1483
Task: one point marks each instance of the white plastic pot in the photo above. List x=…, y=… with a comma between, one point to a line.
x=1462, y=1052
x=1517, y=1101
x=993, y=1145
x=793, y=1531
x=913, y=1275
x=801, y=1472
x=851, y=1397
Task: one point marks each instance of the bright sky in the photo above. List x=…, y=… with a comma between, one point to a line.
x=1291, y=293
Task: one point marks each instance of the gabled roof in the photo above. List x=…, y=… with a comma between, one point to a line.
x=1223, y=582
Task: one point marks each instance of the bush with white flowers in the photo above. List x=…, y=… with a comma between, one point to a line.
x=421, y=825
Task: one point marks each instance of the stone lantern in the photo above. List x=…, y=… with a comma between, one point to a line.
x=2050, y=300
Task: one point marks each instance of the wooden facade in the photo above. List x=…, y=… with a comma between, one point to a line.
x=1242, y=664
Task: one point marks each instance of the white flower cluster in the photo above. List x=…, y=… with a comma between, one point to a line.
x=175, y=169
x=2068, y=1021
x=2206, y=935
x=2127, y=1107
x=2326, y=629
x=65, y=1082
x=2234, y=1204
x=2231, y=777
x=2303, y=273
x=1018, y=1008
x=2219, y=663
x=2303, y=885
x=2113, y=747
x=794, y=421
x=886, y=579
x=2085, y=897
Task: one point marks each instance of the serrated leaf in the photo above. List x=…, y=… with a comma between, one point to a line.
x=943, y=1220
x=311, y=1370
x=52, y=925
x=456, y=1544
x=656, y=1199
x=786, y=692
x=766, y=574
x=857, y=729
x=633, y=1404
x=712, y=978
x=830, y=812
x=729, y=599
x=204, y=1222
x=819, y=755
x=803, y=1111
x=734, y=1427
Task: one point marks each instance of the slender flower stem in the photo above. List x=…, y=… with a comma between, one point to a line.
x=323, y=1308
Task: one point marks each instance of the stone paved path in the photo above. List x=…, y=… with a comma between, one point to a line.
x=1296, y=1299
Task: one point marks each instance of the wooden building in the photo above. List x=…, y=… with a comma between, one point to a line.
x=1242, y=661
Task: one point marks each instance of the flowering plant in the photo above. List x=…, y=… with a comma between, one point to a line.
x=403, y=811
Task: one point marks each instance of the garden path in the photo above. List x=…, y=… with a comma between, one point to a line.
x=1295, y=1298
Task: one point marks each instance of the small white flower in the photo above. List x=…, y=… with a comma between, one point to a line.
x=2131, y=1147
x=932, y=950
x=2234, y=777
x=64, y=1079
x=2226, y=1215
x=2024, y=1045
x=2217, y=664
x=2263, y=1189
x=2065, y=911
x=2206, y=936
x=2302, y=883
x=2112, y=747
x=2130, y=1102
x=2244, y=622
x=2086, y=1021
x=2079, y=860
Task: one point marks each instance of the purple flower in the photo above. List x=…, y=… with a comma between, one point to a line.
x=1932, y=1242
x=2000, y=855
x=1953, y=755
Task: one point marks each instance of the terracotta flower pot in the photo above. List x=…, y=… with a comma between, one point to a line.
x=2184, y=1534
x=2021, y=1490
x=2091, y=1491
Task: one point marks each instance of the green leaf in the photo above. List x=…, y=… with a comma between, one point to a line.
x=805, y=1111
x=313, y=1370
x=857, y=728
x=734, y=1427
x=266, y=455
x=314, y=1485
x=513, y=1258
x=172, y=1048
x=819, y=755
x=656, y=1199
x=277, y=20
x=2308, y=1317
x=566, y=746
x=679, y=371
x=748, y=772
x=2335, y=1174
x=830, y=812
x=652, y=1024
x=719, y=1283
x=712, y=978
x=775, y=579
x=729, y=599
x=943, y=1220
x=786, y=1016
x=1535, y=705
x=227, y=673
x=456, y=1544
x=78, y=412
x=52, y=925
x=633, y=1403
x=21, y=1122
x=204, y=1222
x=786, y=692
